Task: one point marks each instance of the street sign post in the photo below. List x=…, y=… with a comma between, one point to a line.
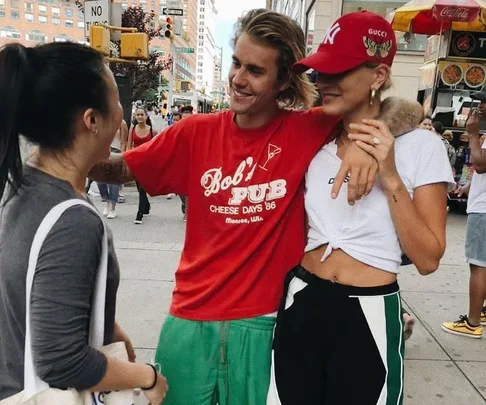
x=173, y=11
x=184, y=50
x=96, y=13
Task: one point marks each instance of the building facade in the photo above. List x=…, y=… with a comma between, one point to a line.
x=206, y=50
x=316, y=16
x=31, y=22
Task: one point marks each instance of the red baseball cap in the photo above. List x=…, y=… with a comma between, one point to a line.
x=352, y=40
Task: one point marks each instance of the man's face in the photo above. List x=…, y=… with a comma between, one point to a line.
x=177, y=118
x=253, y=77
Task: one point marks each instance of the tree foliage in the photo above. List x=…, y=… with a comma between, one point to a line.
x=144, y=75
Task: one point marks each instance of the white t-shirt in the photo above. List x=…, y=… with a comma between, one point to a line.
x=476, y=202
x=366, y=231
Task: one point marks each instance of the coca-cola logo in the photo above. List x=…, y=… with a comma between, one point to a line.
x=464, y=44
x=460, y=13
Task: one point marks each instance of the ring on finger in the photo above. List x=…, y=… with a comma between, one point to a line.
x=376, y=141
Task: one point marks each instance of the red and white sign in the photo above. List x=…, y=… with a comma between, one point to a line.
x=456, y=10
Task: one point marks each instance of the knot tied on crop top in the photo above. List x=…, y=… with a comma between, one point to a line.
x=365, y=231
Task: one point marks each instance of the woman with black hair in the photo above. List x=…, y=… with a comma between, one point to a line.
x=141, y=132
x=33, y=85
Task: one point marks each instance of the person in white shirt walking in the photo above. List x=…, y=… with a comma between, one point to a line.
x=471, y=325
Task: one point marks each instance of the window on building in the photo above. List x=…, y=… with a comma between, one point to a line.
x=200, y=64
x=405, y=41
x=61, y=38
x=69, y=12
x=201, y=30
x=2, y=3
x=9, y=32
x=200, y=57
x=80, y=24
x=201, y=37
x=2, y=13
x=56, y=21
x=15, y=15
x=199, y=71
x=56, y=12
x=201, y=43
x=29, y=7
x=43, y=19
x=42, y=9
x=69, y=23
x=36, y=36
x=14, y=3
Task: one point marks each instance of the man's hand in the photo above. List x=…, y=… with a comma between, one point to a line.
x=464, y=190
x=362, y=170
x=472, y=123
x=119, y=335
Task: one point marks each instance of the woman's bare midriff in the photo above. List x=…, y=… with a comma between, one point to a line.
x=341, y=268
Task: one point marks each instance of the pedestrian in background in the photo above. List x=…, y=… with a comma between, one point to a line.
x=471, y=325
x=141, y=132
x=111, y=192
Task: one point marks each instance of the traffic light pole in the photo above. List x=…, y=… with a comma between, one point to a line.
x=172, y=74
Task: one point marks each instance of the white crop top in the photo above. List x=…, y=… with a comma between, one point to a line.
x=366, y=231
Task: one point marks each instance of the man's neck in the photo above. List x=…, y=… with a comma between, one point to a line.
x=256, y=120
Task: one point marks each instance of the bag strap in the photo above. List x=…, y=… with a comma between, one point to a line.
x=32, y=383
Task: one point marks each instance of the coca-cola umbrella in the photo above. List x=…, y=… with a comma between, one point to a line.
x=431, y=17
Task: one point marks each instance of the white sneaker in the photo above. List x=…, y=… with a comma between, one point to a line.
x=112, y=215
x=106, y=211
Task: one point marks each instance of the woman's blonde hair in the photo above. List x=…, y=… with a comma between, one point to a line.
x=284, y=34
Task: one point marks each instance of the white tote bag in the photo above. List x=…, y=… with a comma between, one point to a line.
x=36, y=391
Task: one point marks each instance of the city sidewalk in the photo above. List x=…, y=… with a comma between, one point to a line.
x=439, y=369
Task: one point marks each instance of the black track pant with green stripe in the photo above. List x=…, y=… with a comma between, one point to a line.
x=337, y=345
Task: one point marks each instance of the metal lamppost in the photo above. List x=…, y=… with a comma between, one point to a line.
x=220, y=91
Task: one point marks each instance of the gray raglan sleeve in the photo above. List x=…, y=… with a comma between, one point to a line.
x=61, y=302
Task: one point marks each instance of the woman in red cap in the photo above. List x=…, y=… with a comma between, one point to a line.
x=339, y=333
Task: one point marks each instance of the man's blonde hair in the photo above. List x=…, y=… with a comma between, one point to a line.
x=284, y=34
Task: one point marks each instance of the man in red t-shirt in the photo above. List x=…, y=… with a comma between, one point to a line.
x=243, y=171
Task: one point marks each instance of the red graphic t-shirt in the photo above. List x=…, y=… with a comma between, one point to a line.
x=245, y=219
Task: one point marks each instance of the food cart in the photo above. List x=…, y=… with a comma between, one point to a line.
x=454, y=65
x=454, y=68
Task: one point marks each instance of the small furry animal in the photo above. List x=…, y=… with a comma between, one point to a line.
x=401, y=115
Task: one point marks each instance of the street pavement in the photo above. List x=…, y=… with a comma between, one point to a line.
x=439, y=369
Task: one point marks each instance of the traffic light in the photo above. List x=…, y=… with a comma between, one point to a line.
x=134, y=45
x=169, y=28
x=99, y=39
